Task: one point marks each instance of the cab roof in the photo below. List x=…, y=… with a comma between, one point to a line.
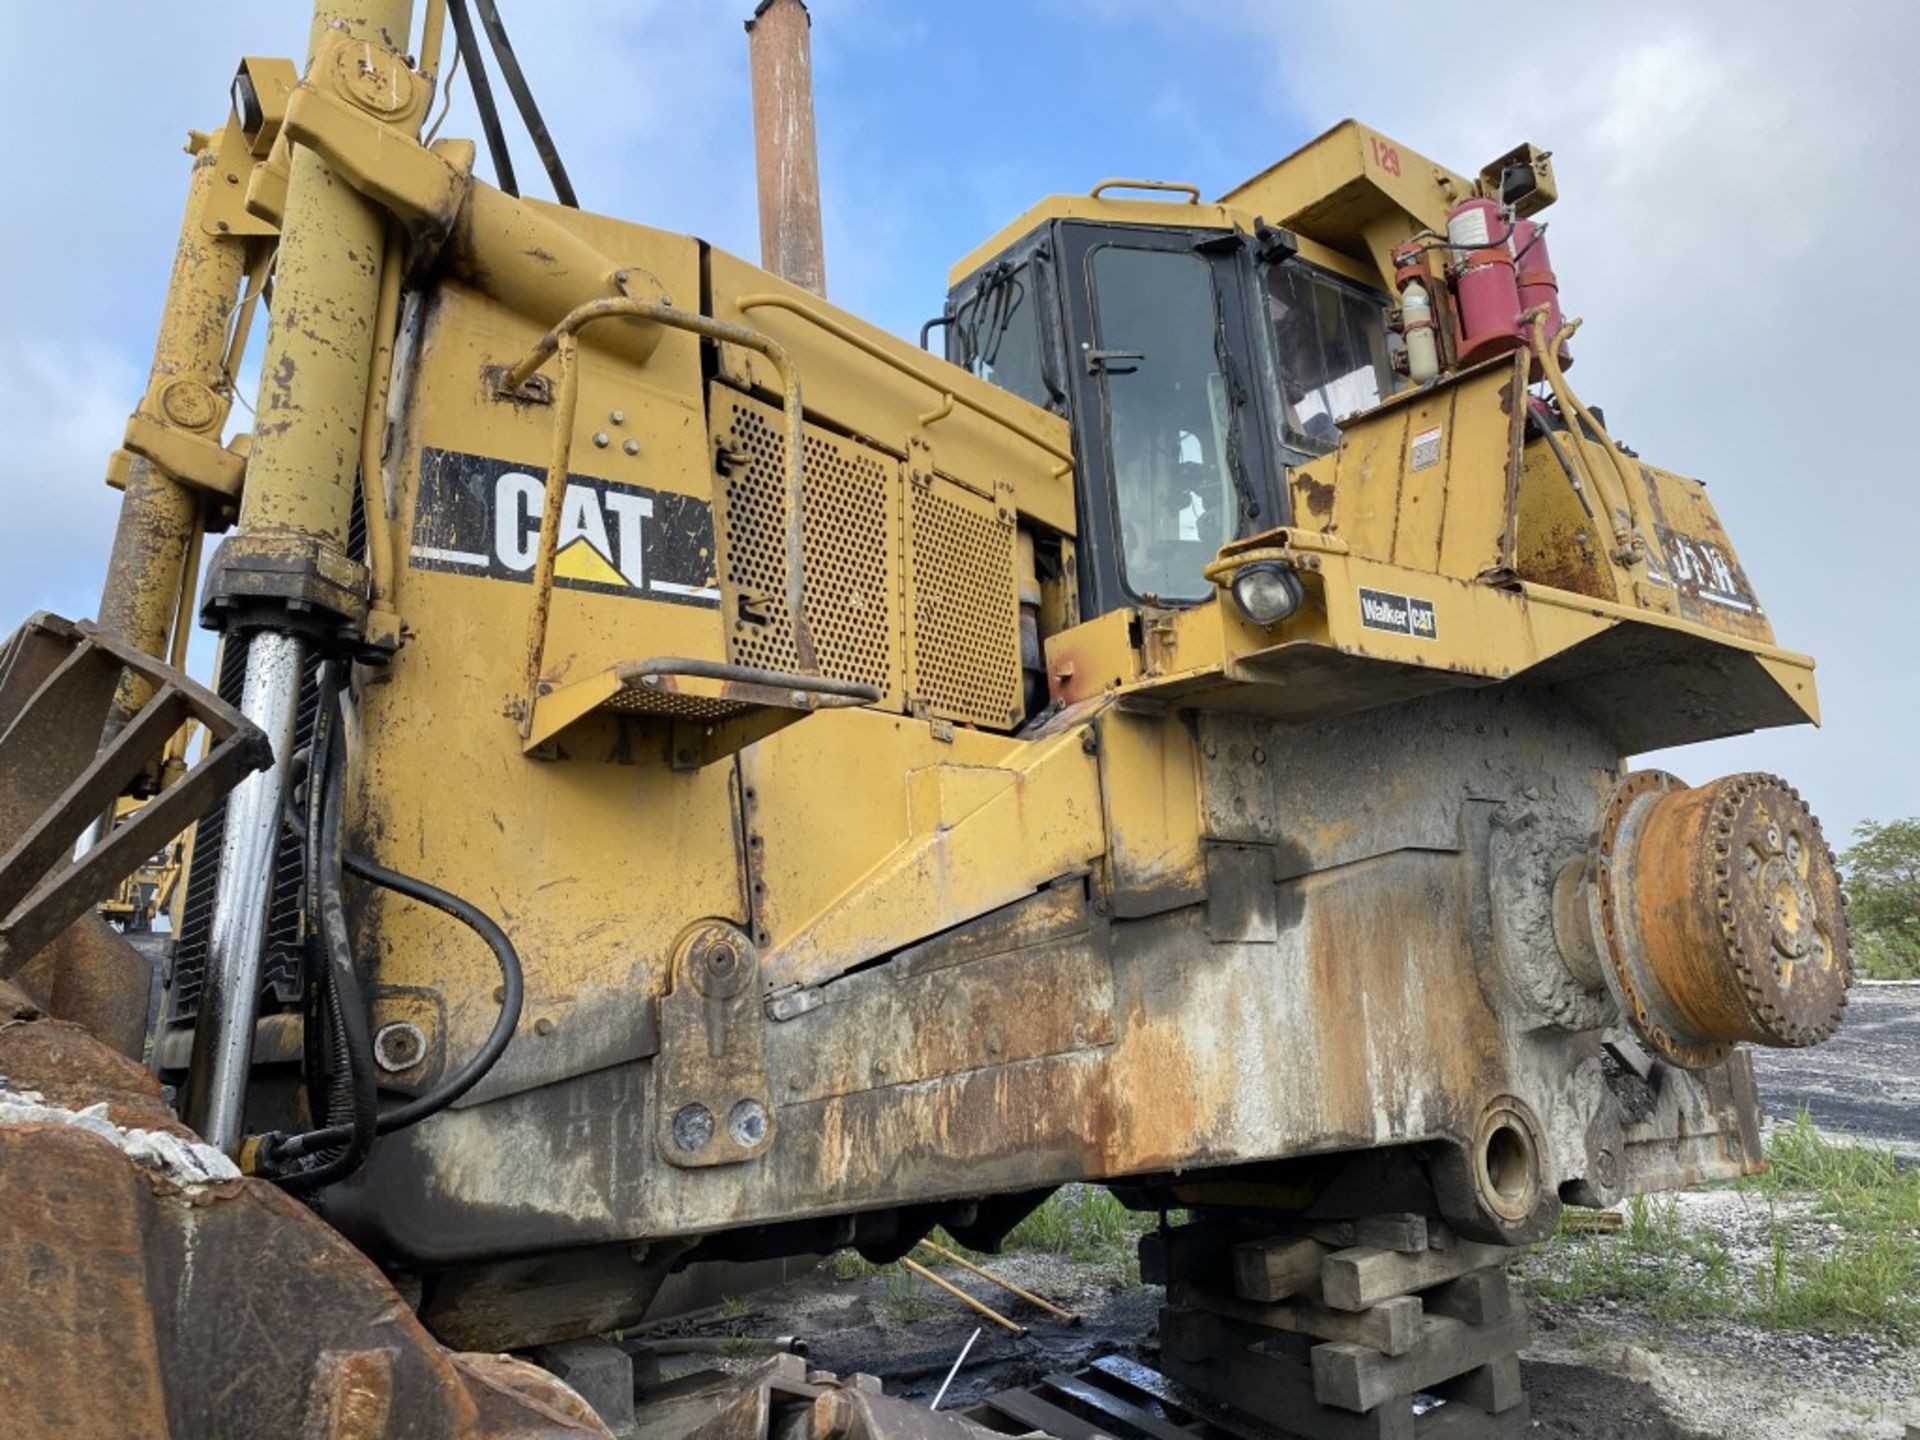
x=1349, y=195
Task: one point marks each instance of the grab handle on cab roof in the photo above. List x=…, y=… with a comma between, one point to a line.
x=1179, y=187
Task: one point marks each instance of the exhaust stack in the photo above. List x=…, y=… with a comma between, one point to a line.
x=785, y=156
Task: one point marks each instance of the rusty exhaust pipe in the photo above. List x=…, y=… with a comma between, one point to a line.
x=785, y=156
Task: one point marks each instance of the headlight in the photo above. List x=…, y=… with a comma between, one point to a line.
x=1267, y=592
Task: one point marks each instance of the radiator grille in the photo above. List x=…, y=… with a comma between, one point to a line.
x=910, y=583
x=966, y=619
x=852, y=551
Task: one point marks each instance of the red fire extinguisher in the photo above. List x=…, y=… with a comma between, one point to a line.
x=1538, y=285
x=1486, y=292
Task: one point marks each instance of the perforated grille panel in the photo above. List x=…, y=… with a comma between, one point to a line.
x=910, y=585
x=684, y=707
x=965, y=661
x=852, y=551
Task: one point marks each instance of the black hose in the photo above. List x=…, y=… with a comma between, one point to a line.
x=522, y=93
x=355, y=1106
x=513, y=988
x=483, y=96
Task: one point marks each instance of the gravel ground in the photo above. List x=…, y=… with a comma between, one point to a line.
x=1728, y=1380
x=1865, y=1082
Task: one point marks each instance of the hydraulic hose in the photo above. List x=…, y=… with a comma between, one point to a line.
x=341, y=1009
x=469, y=44
x=513, y=988
x=340, y=1147
x=522, y=93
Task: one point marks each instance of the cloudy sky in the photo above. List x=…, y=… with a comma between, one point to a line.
x=1737, y=210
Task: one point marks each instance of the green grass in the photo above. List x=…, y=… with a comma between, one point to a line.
x=1868, y=1276
x=1842, y=1248
x=851, y=1265
x=1083, y=1223
x=1654, y=1261
x=908, y=1298
x=1879, y=958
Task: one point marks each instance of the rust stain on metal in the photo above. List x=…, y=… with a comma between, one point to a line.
x=234, y=1279
x=1316, y=494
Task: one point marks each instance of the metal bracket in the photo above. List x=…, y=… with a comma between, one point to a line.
x=360, y=108
x=193, y=459
x=300, y=580
x=714, y=1104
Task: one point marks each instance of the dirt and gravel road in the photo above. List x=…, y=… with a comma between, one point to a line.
x=1864, y=1084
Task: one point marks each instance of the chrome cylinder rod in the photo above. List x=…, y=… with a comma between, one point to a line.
x=236, y=941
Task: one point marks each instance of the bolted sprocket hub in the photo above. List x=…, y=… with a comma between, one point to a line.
x=1720, y=916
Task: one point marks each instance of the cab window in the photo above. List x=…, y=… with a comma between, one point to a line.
x=1168, y=417
x=1330, y=349
x=996, y=334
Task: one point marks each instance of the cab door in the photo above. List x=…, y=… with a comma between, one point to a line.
x=1173, y=457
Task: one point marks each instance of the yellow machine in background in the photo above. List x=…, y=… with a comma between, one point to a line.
x=723, y=783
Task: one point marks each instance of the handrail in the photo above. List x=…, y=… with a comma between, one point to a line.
x=1192, y=192
x=949, y=394
x=855, y=691
x=562, y=340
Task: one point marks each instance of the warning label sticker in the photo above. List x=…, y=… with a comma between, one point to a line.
x=1425, y=449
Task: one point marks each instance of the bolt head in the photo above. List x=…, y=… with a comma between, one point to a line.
x=747, y=1123
x=692, y=1128
x=399, y=1046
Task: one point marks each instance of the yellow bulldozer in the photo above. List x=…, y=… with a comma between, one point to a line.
x=689, y=777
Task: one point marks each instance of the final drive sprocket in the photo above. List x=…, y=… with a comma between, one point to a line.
x=1721, y=916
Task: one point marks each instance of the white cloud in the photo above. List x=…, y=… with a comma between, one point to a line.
x=63, y=410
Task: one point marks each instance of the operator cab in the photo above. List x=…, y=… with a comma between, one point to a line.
x=1195, y=364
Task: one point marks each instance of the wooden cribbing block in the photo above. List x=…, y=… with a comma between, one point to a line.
x=1357, y=1377
x=1406, y=1233
x=1277, y=1269
x=1355, y=1279
x=1492, y=1389
x=1196, y=1252
x=1381, y=1232
x=1208, y=1354
x=1478, y=1299
x=1392, y=1326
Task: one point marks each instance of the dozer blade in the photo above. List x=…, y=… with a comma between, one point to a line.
x=82, y=718
x=153, y=1291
